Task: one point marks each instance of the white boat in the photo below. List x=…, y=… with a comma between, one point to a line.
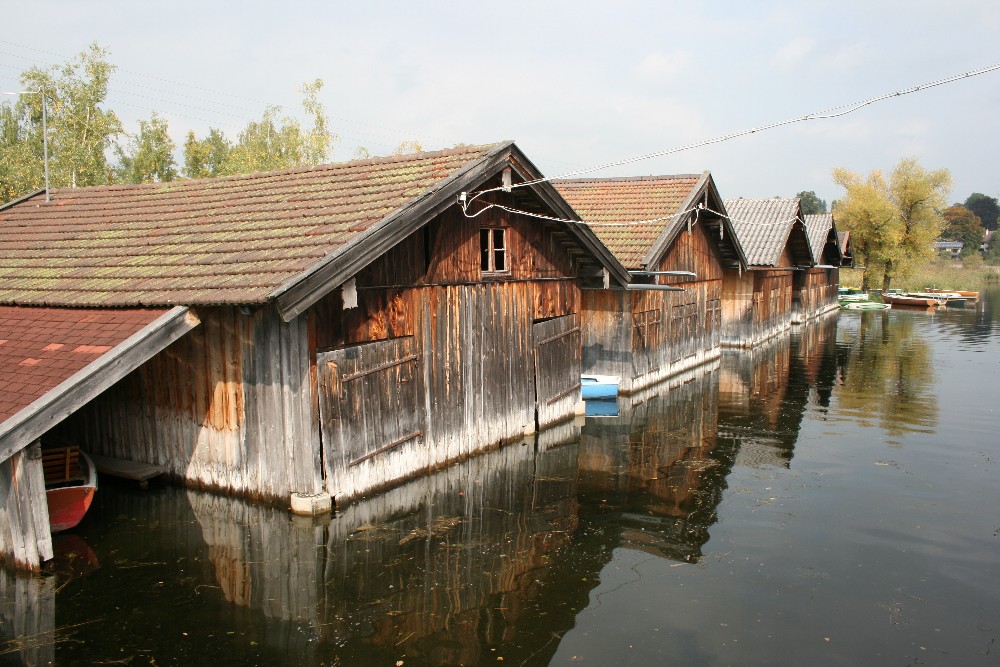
x=599, y=386
x=864, y=305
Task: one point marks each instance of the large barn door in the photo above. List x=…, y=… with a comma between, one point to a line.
x=372, y=413
x=558, y=363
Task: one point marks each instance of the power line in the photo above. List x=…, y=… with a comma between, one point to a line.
x=835, y=112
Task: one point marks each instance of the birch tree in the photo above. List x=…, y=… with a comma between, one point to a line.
x=267, y=144
x=148, y=157
x=81, y=130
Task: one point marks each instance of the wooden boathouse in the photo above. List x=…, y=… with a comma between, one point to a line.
x=669, y=231
x=52, y=362
x=337, y=329
x=814, y=290
x=757, y=304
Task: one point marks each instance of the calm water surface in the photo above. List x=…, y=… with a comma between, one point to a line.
x=829, y=499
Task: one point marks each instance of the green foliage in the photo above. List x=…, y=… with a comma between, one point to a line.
x=80, y=130
x=985, y=207
x=992, y=255
x=811, y=203
x=961, y=224
x=203, y=158
x=892, y=222
x=408, y=146
x=149, y=156
x=265, y=145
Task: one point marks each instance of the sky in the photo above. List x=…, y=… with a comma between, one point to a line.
x=575, y=84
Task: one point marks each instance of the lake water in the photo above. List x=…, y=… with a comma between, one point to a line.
x=832, y=498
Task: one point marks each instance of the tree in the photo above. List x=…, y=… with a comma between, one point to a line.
x=984, y=207
x=894, y=222
x=811, y=203
x=265, y=145
x=961, y=224
x=80, y=131
x=203, y=158
x=408, y=146
x=149, y=156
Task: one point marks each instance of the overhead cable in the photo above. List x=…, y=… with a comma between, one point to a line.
x=835, y=112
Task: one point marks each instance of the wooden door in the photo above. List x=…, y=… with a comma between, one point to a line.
x=372, y=414
x=558, y=364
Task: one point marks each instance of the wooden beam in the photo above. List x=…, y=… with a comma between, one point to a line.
x=21, y=429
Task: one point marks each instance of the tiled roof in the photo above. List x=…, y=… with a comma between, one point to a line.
x=620, y=201
x=200, y=242
x=42, y=347
x=763, y=226
x=818, y=226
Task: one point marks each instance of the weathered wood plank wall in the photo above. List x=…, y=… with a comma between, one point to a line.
x=757, y=305
x=486, y=351
x=557, y=355
x=815, y=293
x=25, y=540
x=647, y=336
x=228, y=407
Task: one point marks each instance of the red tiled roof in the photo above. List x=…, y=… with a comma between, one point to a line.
x=201, y=242
x=42, y=347
x=627, y=200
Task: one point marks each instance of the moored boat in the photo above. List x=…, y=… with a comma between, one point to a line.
x=599, y=386
x=848, y=298
x=910, y=300
x=966, y=293
x=864, y=305
x=70, y=483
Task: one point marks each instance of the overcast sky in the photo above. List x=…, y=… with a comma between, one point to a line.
x=576, y=84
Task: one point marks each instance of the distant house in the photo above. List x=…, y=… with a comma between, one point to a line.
x=334, y=329
x=814, y=290
x=758, y=303
x=671, y=233
x=948, y=248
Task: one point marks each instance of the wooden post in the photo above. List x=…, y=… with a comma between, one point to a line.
x=25, y=540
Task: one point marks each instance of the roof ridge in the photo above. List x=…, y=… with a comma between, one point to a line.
x=661, y=177
x=326, y=166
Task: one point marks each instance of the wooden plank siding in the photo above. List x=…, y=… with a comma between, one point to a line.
x=757, y=305
x=647, y=336
x=25, y=540
x=229, y=407
x=815, y=293
x=484, y=358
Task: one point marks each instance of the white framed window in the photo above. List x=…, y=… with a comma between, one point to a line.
x=493, y=250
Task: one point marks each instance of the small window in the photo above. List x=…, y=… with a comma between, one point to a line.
x=493, y=249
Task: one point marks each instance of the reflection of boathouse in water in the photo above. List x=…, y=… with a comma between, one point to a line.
x=764, y=392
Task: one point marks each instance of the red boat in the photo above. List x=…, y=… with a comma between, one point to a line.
x=70, y=483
